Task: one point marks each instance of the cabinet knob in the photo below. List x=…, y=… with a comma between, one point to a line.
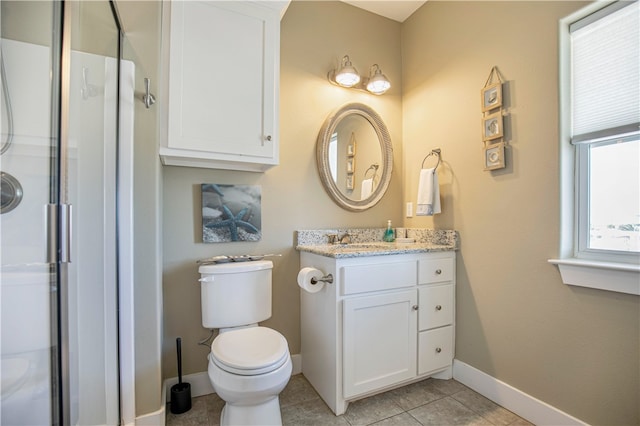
x=438, y=271
x=268, y=137
x=438, y=350
x=414, y=307
x=438, y=307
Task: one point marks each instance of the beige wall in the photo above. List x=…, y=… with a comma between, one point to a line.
x=574, y=348
x=314, y=36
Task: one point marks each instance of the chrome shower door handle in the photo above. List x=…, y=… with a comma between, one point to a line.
x=65, y=232
x=51, y=220
x=59, y=225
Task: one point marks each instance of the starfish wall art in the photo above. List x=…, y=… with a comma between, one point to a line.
x=231, y=213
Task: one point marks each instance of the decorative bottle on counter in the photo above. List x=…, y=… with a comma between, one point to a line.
x=389, y=237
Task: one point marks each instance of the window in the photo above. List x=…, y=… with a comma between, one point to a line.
x=600, y=137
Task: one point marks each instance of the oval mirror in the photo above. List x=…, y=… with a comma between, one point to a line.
x=354, y=157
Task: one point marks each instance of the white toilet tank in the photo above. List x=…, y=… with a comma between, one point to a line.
x=236, y=293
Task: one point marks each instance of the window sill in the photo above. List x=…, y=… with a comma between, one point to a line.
x=619, y=277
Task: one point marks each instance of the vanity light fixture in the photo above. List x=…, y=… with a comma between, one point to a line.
x=347, y=76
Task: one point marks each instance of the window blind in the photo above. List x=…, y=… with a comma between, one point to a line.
x=605, y=67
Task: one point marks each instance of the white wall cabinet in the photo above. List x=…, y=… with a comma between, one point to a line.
x=222, y=85
x=385, y=321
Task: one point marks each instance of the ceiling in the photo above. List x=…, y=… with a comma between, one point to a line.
x=398, y=10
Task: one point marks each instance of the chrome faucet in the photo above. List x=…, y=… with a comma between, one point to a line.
x=332, y=238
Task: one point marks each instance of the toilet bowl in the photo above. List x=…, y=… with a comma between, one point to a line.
x=248, y=369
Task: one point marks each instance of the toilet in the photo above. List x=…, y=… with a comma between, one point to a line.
x=249, y=365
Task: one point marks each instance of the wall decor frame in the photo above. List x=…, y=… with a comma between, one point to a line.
x=491, y=96
x=231, y=213
x=351, y=165
x=494, y=156
x=350, y=181
x=351, y=149
x=492, y=126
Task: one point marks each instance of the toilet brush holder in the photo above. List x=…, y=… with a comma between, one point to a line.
x=180, y=392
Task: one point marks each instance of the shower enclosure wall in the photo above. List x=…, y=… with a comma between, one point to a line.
x=61, y=148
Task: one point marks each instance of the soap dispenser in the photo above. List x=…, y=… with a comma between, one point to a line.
x=388, y=233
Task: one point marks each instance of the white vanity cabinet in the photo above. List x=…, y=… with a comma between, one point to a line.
x=222, y=84
x=384, y=322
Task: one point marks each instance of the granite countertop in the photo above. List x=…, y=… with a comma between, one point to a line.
x=368, y=242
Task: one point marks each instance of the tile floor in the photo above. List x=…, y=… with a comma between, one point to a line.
x=429, y=402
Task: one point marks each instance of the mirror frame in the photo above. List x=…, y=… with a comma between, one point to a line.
x=322, y=156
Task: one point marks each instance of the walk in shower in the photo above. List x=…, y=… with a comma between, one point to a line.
x=59, y=253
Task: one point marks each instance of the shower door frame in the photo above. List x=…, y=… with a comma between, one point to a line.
x=59, y=234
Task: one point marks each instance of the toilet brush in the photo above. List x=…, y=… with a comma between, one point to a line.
x=181, y=392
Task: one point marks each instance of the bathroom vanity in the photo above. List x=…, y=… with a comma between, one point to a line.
x=387, y=319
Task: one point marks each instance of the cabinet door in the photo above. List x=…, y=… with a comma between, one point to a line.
x=223, y=76
x=379, y=341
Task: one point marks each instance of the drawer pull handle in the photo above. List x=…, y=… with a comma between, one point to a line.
x=438, y=350
x=438, y=271
x=438, y=308
x=414, y=307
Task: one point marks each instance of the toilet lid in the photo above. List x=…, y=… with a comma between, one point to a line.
x=250, y=351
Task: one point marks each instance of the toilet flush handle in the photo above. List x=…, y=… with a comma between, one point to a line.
x=207, y=279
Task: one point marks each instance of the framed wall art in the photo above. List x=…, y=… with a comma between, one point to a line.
x=492, y=126
x=491, y=96
x=351, y=165
x=494, y=156
x=350, y=181
x=493, y=137
x=231, y=213
x=351, y=148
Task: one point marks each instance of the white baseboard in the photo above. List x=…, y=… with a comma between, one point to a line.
x=157, y=418
x=522, y=404
x=201, y=385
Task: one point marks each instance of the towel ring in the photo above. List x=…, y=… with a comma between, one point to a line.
x=436, y=152
x=373, y=167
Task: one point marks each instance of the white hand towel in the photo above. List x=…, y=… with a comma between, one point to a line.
x=366, y=188
x=428, y=193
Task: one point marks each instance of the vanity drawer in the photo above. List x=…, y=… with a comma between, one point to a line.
x=378, y=276
x=436, y=306
x=436, y=270
x=435, y=349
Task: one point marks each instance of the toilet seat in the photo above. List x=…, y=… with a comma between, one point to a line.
x=250, y=351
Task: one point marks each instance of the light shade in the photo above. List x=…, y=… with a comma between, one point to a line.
x=378, y=84
x=347, y=75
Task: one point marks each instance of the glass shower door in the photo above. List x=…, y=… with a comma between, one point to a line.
x=89, y=141
x=58, y=252
x=28, y=153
